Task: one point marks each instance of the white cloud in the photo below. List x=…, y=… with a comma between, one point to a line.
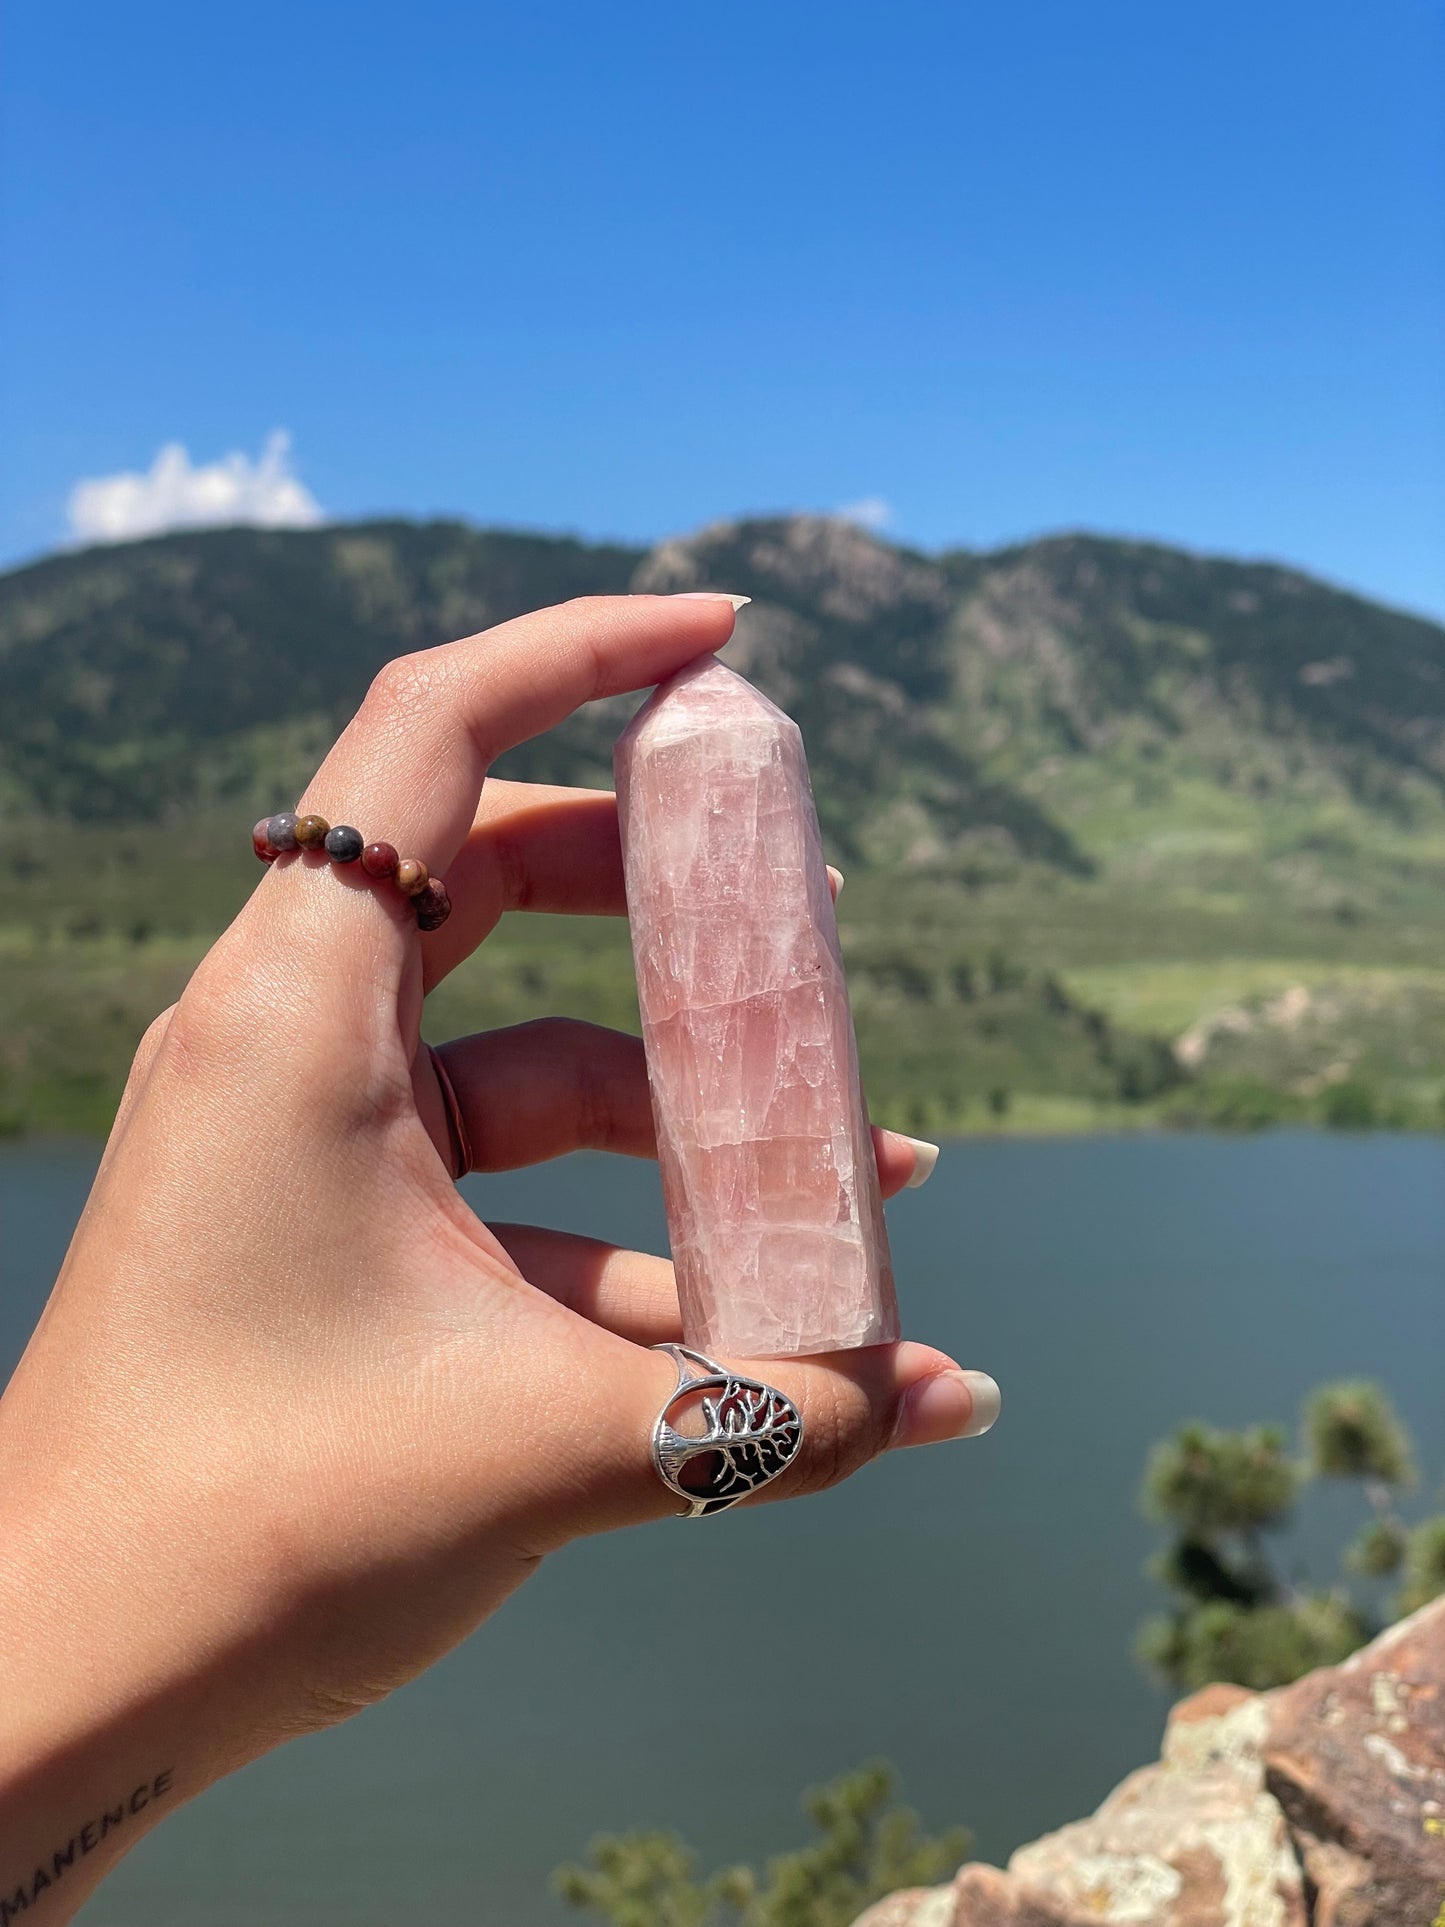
x=872, y=512
x=174, y=495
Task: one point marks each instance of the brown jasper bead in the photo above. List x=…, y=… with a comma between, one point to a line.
x=412, y=875
x=261, y=841
x=379, y=860
x=433, y=905
x=311, y=832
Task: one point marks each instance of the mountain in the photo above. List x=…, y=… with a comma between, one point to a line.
x=154, y=675
x=1130, y=832
x=964, y=711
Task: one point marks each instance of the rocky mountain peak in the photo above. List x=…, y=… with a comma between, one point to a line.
x=841, y=570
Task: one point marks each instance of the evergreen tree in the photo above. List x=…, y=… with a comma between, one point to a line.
x=1235, y=1616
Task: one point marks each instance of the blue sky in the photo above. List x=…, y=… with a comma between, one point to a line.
x=622, y=270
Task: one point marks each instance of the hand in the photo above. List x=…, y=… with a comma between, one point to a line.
x=294, y=1420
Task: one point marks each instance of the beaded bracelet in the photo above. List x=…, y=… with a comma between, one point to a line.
x=273, y=836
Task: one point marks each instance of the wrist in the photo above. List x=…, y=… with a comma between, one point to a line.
x=115, y=1713
x=132, y=1667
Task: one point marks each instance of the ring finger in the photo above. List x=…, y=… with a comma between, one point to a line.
x=539, y=1090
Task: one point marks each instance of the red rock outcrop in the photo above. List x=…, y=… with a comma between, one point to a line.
x=1320, y=1804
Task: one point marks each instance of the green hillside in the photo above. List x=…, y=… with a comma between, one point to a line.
x=1131, y=834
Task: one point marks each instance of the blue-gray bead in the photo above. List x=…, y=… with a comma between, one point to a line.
x=343, y=844
x=282, y=830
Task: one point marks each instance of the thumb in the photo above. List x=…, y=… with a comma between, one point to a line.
x=853, y=1406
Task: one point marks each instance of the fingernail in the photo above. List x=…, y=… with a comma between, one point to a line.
x=838, y=880
x=925, y=1156
x=950, y=1405
x=712, y=595
x=987, y=1404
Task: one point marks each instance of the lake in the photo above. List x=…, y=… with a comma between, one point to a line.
x=966, y=1611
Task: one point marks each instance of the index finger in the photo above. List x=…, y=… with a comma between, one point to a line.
x=410, y=765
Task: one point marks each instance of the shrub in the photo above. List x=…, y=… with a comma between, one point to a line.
x=1424, y=1565
x=1256, y=1647
x=1207, y=1482
x=1235, y=1616
x=866, y=1848
x=1351, y=1106
x=1230, y=1104
x=1352, y=1433
x=1379, y=1550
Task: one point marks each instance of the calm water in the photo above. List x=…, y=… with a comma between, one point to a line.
x=966, y=1611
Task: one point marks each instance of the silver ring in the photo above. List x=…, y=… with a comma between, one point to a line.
x=751, y=1433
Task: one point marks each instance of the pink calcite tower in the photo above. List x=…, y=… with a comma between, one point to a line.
x=768, y=1171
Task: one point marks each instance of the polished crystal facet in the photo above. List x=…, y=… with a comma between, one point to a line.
x=767, y=1162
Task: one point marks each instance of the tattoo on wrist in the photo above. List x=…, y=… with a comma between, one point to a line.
x=86, y=1838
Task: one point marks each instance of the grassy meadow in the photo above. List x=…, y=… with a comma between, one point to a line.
x=1037, y=1003
x=1133, y=836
